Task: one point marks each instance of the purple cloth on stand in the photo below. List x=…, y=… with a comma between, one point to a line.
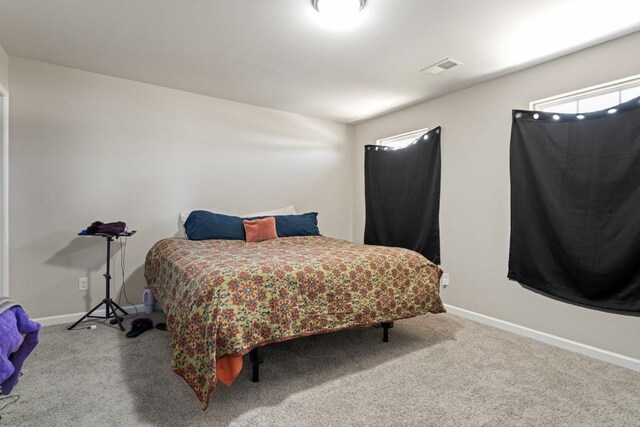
x=117, y=227
x=13, y=323
x=114, y=228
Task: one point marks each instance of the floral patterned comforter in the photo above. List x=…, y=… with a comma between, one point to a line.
x=226, y=297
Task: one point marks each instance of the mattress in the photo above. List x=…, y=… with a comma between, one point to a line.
x=226, y=297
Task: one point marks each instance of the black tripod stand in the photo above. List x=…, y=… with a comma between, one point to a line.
x=110, y=305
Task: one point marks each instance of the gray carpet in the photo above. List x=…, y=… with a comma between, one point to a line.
x=436, y=370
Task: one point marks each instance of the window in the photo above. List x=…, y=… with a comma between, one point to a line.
x=591, y=99
x=402, y=140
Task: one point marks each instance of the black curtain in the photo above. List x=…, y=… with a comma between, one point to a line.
x=575, y=206
x=402, y=192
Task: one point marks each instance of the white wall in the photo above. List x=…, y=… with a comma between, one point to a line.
x=2, y=237
x=475, y=191
x=90, y=147
x=4, y=82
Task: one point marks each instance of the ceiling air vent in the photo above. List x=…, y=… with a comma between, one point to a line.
x=444, y=65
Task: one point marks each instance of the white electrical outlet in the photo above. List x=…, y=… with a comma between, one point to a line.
x=445, y=280
x=83, y=284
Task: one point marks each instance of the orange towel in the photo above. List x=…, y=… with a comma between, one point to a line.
x=228, y=368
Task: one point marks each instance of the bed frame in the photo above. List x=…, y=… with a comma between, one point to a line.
x=256, y=356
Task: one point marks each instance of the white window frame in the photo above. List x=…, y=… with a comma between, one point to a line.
x=407, y=136
x=577, y=95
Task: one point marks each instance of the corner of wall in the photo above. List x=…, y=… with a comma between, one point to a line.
x=4, y=68
x=351, y=138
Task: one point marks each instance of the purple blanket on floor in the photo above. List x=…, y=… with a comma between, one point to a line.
x=14, y=349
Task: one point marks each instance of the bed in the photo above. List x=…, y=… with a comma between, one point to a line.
x=226, y=298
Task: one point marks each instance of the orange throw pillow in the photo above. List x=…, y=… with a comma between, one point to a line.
x=257, y=230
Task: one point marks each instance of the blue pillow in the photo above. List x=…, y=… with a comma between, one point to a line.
x=204, y=225
x=297, y=225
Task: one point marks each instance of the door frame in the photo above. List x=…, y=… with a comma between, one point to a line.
x=5, y=191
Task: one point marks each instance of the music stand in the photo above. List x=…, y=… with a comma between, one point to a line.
x=110, y=305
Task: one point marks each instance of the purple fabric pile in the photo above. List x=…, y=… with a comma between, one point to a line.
x=14, y=348
x=114, y=228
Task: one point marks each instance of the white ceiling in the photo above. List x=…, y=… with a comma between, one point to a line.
x=274, y=53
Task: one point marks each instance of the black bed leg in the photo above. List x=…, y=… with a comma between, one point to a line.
x=256, y=359
x=256, y=372
x=385, y=330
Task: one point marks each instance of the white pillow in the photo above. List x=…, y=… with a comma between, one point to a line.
x=287, y=210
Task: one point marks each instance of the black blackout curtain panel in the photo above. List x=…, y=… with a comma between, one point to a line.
x=575, y=206
x=402, y=192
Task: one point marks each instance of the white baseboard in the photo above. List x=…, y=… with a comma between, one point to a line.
x=71, y=318
x=587, y=350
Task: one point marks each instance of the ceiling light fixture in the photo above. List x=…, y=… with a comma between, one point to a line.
x=441, y=66
x=339, y=13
